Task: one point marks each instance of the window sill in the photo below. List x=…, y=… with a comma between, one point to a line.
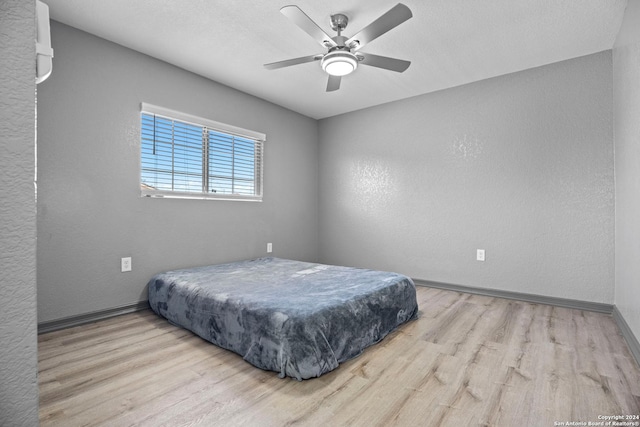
x=200, y=196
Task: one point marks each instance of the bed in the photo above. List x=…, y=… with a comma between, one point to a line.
x=296, y=318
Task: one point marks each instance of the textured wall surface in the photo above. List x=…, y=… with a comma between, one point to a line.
x=626, y=78
x=90, y=213
x=519, y=165
x=18, y=340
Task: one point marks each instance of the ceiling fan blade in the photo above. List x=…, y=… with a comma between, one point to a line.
x=334, y=83
x=290, y=62
x=397, y=65
x=301, y=19
x=394, y=17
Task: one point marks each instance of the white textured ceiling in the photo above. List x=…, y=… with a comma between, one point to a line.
x=449, y=42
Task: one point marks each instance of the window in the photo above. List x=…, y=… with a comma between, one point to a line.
x=190, y=157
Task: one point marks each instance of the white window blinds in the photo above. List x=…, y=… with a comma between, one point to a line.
x=191, y=157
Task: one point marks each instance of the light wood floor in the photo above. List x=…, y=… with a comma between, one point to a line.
x=467, y=361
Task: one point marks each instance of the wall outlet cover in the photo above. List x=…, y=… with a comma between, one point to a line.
x=125, y=264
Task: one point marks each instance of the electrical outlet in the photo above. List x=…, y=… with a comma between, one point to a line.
x=125, y=264
x=269, y=248
x=480, y=255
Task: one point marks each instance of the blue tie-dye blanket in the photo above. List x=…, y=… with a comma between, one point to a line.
x=296, y=318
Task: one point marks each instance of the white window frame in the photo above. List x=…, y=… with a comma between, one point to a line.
x=207, y=124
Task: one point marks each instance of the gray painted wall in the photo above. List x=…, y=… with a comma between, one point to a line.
x=90, y=213
x=626, y=78
x=519, y=165
x=18, y=349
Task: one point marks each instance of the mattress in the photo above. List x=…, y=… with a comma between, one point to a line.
x=296, y=318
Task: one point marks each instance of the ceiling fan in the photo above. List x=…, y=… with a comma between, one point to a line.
x=343, y=55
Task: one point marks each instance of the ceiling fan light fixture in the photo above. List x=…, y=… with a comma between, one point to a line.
x=339, y=63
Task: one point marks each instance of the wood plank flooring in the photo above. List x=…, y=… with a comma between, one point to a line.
x=468, y=360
